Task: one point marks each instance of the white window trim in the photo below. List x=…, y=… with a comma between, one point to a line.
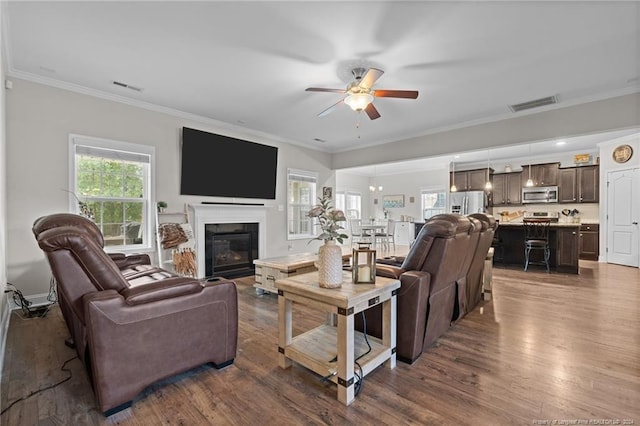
x=348, y=192
x=75, y=139
x=433, y=189
x=314, y=200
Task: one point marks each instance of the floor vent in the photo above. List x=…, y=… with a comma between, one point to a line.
x=534, y=104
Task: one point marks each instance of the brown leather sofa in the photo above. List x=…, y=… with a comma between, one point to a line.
x=469, y=280
x=462, y=285
x=427, y=295
x=474, y=275
x=133, y=324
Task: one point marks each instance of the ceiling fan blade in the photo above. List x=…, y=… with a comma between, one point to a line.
x=331, y=108
x=372, y=112
x=370, y=78
x=407, y=94
x=320, y=89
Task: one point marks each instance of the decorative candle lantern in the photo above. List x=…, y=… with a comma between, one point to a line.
x=363, y=262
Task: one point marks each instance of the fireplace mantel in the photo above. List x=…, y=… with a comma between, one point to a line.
x=203, y=214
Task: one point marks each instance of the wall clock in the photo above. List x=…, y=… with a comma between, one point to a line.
x=622, y=153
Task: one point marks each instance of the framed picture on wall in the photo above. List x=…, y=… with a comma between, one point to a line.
x=392, y=201
x=327, y=192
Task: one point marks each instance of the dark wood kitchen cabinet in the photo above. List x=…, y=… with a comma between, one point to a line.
x=542, y=174
x=507, y=189
x=568, y=249
x=579, y=184
x=470, y=180
x=589, y=241
x=563, y=242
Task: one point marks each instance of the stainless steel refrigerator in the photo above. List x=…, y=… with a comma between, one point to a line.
x=468, y=202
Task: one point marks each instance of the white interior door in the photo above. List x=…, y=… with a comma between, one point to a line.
x=623, y=214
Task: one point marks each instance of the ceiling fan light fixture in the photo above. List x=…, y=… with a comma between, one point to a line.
x=358, y=101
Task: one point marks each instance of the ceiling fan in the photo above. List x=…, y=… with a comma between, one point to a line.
x=360, y=93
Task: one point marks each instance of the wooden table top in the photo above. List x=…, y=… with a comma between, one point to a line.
x=348, y=295
x=293, y=261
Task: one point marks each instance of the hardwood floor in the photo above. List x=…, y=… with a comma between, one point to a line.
x=547, y=347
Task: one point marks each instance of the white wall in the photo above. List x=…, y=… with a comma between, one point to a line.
x=407, y=184
x=4, y=311
x=39, y=121
x=588, y=118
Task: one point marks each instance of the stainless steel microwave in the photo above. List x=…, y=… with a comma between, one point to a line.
x=541, y=194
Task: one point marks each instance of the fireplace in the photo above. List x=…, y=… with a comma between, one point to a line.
x=230, y=249
x=222, y=229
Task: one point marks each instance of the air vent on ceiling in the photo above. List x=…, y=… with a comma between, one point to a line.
x=549, y=100
x=127, y=86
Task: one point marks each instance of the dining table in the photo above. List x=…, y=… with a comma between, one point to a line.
x=370, y=230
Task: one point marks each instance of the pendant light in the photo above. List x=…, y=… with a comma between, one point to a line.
x=373, y=188
x=488, y=185
x=453, y=180
x=529, y=181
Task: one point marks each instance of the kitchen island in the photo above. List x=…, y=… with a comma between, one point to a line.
x=563, y=240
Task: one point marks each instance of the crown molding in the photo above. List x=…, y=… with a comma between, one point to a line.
x=59, y=84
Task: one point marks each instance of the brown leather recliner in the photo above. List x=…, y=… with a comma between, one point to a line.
x=133, y=324
x=462, y=285
x=427, y=294
x=474, y=276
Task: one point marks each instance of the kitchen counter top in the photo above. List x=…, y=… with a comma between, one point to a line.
x=553, y=224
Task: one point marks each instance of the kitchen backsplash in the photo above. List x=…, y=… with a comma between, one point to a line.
x=588, y=213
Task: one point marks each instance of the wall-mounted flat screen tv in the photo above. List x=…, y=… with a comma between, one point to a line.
x=221, y=166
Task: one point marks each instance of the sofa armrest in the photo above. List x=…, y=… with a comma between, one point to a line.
x=389, y=271
x=124, y=261
x=391, y=260
x=413, y=301
x=162, y=289
x=133, y=346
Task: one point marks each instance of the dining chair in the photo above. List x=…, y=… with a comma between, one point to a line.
x=536, y=237
x=357, y=236
x=387, y=236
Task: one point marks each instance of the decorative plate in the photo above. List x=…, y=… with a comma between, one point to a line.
x=622, y=153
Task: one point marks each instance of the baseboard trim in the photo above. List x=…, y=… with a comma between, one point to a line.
x=36, y=300
x=4, y=326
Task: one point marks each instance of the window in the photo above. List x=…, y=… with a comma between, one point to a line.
x=433, y=202
x=114, y=180
x=301, y=196
x=350, y=203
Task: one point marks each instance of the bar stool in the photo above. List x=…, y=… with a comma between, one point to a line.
x=536, y=237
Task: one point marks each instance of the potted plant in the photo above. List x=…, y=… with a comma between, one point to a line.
x=329, y=254
x=161, y=206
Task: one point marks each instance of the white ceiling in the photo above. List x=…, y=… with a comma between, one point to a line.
x=245, y=65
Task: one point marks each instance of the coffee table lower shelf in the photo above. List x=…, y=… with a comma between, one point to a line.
x=316, y=350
